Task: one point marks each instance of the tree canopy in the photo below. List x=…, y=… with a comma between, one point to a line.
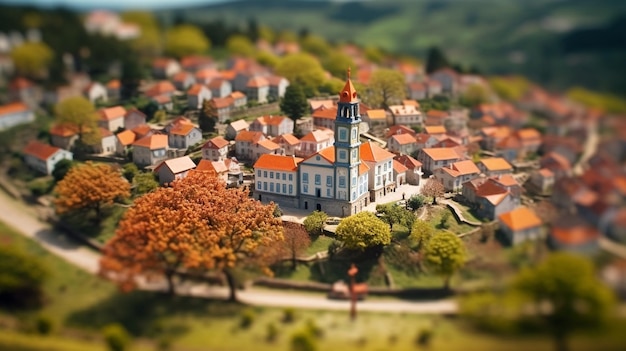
x=421, y=233
x=386, y=87
x=435, y=60
x=568, y=284
x=303, y=69
x=32, y=59
x=395, y=214
x=79, y=112
x=21, y=278
x=197, y=224
x=89, y=187
x=433, y=188
x=316, y=45
x=185, y=40
x=474, y=95
x=296, y=240
x=445, y=253
x=240, y=45
x=294, y=104
x=337, y=63
x=363, y=230
x=315, y=222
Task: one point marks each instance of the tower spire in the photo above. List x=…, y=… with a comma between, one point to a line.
x=349, y=72
x=348, y=93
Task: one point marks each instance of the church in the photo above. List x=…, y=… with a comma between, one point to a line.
x=335, y=180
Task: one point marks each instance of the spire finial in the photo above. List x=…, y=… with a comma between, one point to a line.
x=349, y=71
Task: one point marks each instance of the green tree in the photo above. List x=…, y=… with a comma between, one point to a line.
x=79, y=112
x=303, y=341
x=240, y=45
x=577, y=298
x=510, y=88
x=21, y=278
x=294, y=103
x=363, y=230
x=395, y=214
x=266, y=33
x=435, y=60
x=386, y=87
x=61, y=169
x=333, y=86
x=144, y=183
x=337, y=63
x=267, y=59
x=416, y=201
x=445, y=254
x=474, y=95
x=433, y=188
x=315, y=222
x=32, y=59
x=185, y=40
x=116, y=337
x=208, y=116
x=374, y=54
x=421, y=233
x=129, y=171
x=302, y=69
x=316, y=45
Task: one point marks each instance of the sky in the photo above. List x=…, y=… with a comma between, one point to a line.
x=112, y=4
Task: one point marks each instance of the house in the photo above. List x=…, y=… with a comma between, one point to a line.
x=195, y=63
x=220, y=88
x=163, y=102
x=494, y=166
x=277, y=87
x=417, y=90
x=206, y=75
x=530, y=139
x=375, y=118
x=96, y=92
x=114, y=89
x=453, y=176
x=224, y=170
x=314, y=104
x=15, y=113
x=245, y=142
x=402, y=144
x=491, y=136
x=134, y=118
x=235, y=127
x=380, y=163
x=399, y=172
x=433, y=158
x=43, y=157
x=223, y=107
x=215, y=149
x=557, y=164
x=520, y=225
x=436, y=117
x=575, y=235
x=276, y=174
x=433, y=88
x=258, y=89
x=183, y=80
x=161, y=88
x=407, y=115
x=150, y=150
x=489, y=198
x=22, y=89
x=112, y=118
x=324, y=117
x=414, y=168
x=63, y=136
x=124, y=140
x=196, y=95
x=272, y=125
x=304, y=125
x=448, y=79
x=542, y=180
x=183, y=136
x=436, y=131
x=315, y=141
x=509, y=148
x=174, y=169
x=264, y=147
x=163, y=68
x=142, y=130
x=289, y=144
x=399, y=129
x=240, y=100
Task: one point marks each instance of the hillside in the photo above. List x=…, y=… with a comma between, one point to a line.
x=538, y=38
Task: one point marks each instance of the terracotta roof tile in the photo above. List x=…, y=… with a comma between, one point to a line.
x=20, y=83
x=182, y=129
x=363, y=168
x=222, y=102
x=126, y=137
x=13, y=108
x=521, y=218
x=237, y=95
x=111, y=113
x=257, y=82
x=216, y=143
x=239, y=124
x=441, y=153
x=400, y=129
x=328, y=154
x=64, y=130
x=317, y=135
x=271, y=120
x=249, y=136
x=574, y=233
x=374, y=153
x=205, y=166
x=408, y=161
x=325, y=112
x=399, y=167
x=288, y=139
x=496, y=164
x=195, y=89
x=435, y=130
x=40, y=150
x=377, y=114
x=278, y=162
x=177, y=165
x=268, y=144
x=465, y=167
x=403, y=139
x=153, y=142
x=315, y=104
x=162, y=87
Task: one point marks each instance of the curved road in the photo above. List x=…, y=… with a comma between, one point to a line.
x=24, y=219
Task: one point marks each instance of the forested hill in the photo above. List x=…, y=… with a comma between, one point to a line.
x=559, y=43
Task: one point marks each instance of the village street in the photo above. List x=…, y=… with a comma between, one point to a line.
x=24, y=219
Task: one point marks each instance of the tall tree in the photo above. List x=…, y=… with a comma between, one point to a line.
x=240, y=45
x=197, y=224
x=474, y=95
x=302, y=69
x=208, y=116
x=79, y=112
x=421, y=233
x=445, y=253
x=337, y=63
x=316, y=45
x=363, y=230
x=185, y=40
x=294, y=104
x=386, y=87
x=395, y=214
x=435, y=60
x=148, y=44
x=577, y=299
x=90, y=187
x=433, y=188
x=32, y=59
x=296, y=240
x=315, y=222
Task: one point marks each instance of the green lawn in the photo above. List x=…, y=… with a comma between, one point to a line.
x=102, y=231
x=434, y=218
x=320, y=244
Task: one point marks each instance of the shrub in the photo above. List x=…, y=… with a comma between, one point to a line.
x=272, y=332
x=443, y=222
x=21, y=279
x=116, y=337
x=289, y=315
x=303, y=341
x=43, y=325
x=416, y=201
x=333, y=248
x=247, y=318
x=314, y=329
x=424, y=336
x=39, y=187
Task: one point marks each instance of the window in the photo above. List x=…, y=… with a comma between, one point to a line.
x=305, y=178
x=353, y=181
x=277, y=187
x=328, y=192
x=284, y=188
x=318, y=179
x=342, y=182
x=305, y=189
x=290, y=177
x=342, y=154
x=284, y=176
x=354, y=134
x=385, y=167
x=265, y=174
x=343, y=134
x=258, y=173
x=272, y=187
x=329, y=181
x=290, y=189
x=354, y=155
x=271, y=175
x=265, y=186
x=258, y=185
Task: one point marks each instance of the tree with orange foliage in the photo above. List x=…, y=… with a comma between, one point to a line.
x=433, y=188
x=197, y=224
x=90, y=186
x=296, y=240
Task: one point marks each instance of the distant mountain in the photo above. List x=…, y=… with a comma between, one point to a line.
x=537, y=38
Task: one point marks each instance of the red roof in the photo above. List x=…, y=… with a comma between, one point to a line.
x=222, y=102
x=348, y=93
x=162, y=87
x=403, y=139
x=278, y=162
x=114, y=84
x=126, y=137
x=64, y=130
x=13, y=108
x=155, y=141
x=40, y=150
x=271, y=120
x=182, y=129
x=521, y=218
x=577, y=233
x=374, y=153
x=399, y=167
x=20, y=83
x=408, y=161
x=325, y=112
x=249, y=136
x=257, y=82
x=111, y=113
x=216, y=143
x=441, y=153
